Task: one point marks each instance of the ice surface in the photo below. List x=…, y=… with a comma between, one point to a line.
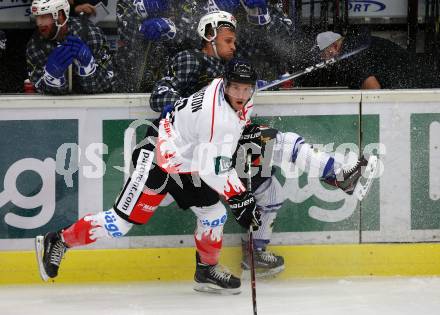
x=375, y=296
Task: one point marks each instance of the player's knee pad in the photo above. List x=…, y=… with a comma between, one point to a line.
x=313, y=161
x=93, y=227
x=210, y=220
x=209, y=232
x=287, y=147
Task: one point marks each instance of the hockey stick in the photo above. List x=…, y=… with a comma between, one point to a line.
x=142, y=67
x=251, y=241
x=320, y=65
x=70, y=78
x=83, y=35
x=70, y=73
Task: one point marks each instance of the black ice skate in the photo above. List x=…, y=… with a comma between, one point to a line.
x=50, y=250
x=349, y=180
x=266, y=263
x=212, y=279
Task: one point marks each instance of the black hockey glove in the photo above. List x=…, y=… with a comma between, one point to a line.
x=245, y=210
x=249, y=143
x=251, y=138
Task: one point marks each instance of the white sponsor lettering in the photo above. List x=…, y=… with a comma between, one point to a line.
x=138, y=180
x=45, y=198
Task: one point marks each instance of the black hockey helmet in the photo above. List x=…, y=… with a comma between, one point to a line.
x=240, y=70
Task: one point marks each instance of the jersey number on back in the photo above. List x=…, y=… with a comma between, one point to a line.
x=179, y=105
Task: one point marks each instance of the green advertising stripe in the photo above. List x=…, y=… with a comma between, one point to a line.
x=177, y=264
x=424, y=201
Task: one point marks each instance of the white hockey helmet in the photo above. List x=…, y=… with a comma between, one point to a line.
x=215, y=19
x=41, y=7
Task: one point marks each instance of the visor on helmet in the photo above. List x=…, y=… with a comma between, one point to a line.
x=239, y=90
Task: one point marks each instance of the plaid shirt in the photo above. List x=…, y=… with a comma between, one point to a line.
x=139, y=62
x=38, y=50
x=189, y=71
x=271, y=47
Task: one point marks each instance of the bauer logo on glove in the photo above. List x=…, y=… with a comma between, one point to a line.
x=244, y=208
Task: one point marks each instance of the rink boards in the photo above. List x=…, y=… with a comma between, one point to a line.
x=65, y=158
x=177, y=264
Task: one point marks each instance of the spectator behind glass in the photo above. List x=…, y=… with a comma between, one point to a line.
x=192, y=69
x=382, y=65
x=59, y=42
x=267, y=37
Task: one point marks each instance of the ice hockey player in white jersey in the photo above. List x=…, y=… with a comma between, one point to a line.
x=187, y=154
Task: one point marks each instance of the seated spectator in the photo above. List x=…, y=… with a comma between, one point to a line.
x=143, y=30
x=61, y=41
x=190, y=70
x=267, y=37
x=381, y=65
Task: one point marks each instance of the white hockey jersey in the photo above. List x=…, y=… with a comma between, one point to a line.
x=201, y=136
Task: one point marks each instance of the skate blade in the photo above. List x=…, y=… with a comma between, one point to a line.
x=39, y=250
x=262, y=273
x=362, y=188
x=214, y=289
